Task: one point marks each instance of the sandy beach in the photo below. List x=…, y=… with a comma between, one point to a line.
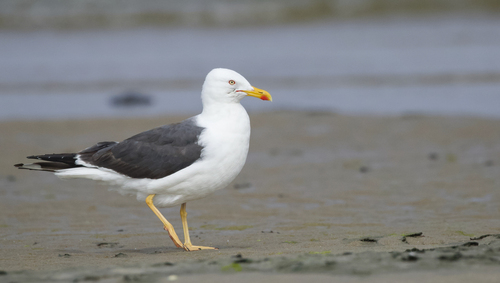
x=321, y=194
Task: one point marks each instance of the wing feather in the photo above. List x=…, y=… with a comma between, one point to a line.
x=153, y=154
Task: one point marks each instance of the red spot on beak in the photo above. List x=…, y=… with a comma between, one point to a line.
x=263, y=97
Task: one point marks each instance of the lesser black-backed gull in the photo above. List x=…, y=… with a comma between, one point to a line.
x=175, y=163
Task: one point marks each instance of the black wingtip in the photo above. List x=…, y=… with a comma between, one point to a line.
x=18, y=165
x=68, y=158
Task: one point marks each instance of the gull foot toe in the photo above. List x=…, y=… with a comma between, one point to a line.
x=191, y=248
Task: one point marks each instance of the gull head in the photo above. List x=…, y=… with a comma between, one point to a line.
x=227, y=86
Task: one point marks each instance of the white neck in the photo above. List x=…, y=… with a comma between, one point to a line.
x=223, y=112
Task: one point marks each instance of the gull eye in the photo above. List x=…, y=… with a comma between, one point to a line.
x=231, y=82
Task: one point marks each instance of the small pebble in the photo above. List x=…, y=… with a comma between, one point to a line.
x=364, y=169
x=452, y=257
x=433, y=156
x=172, y=277
x=411, y=256
x=166, y=263
x=471, y=244
x=415, y=250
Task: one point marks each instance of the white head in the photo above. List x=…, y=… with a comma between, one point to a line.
x=227, y=86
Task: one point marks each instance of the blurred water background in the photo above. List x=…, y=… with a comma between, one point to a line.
x=76, y=59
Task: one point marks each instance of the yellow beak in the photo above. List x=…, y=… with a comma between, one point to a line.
x=259, y=93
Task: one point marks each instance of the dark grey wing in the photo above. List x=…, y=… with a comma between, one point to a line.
x=153, y=154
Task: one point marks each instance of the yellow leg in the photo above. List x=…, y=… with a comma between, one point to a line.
x=187, y=241
x=166, y=225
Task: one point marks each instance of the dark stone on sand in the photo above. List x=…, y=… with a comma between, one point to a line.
x=243, y=260
x=412, y=235
x=470, y=244
x=480, y=237
x=131, y=99
x=415, y=250
x=64, y=255
x=410, y=257
x=120, y=255
x=364, y=169
x=419, y=234
x=3, y=272
x=433, y=156
x=369, y=240
x=166, y=263
x=453, y=257
x=107, y=245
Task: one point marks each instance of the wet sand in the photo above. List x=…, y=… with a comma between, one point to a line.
x=343, y=196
